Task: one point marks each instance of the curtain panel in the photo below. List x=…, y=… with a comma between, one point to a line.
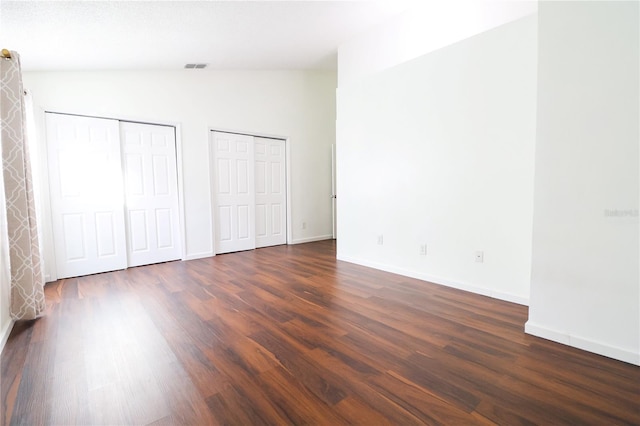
x=27, y=279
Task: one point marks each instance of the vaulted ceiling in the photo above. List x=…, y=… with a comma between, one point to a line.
x=91, y=35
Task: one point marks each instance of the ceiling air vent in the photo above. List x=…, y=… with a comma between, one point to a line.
x=195, y=66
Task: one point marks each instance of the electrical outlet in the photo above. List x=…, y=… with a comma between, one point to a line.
x=479, y=256
x=380, y=240
x=423, y=249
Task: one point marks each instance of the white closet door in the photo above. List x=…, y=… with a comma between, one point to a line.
x=271, y=196
x=86, y=194
x=151, y=193
x=233, y=192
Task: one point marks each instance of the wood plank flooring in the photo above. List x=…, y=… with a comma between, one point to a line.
x=289, y=335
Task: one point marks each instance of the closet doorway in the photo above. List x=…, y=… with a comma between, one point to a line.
x=249, y=191
x=113, y=190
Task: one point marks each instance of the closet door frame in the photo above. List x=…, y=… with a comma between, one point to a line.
x=51, y=273
x=212, y=176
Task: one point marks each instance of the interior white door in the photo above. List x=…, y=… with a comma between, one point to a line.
x=86, y=194
x=233, y=192
x=151, y=193
x=334, y=197
x=271, y=196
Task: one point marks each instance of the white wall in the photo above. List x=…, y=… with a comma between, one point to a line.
x=295, y=104
x=439, y=151
x=425, y=27
x=585, y=278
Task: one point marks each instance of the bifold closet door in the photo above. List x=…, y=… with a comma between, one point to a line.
x=86, y=194
x=233, y=192
x=151, y=193
x=249, y=192
x=271, y=195
x=114, y=194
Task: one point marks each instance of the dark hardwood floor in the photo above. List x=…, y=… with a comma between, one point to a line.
x=289, y=335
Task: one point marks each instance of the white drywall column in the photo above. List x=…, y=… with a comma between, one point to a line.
x=585, y=280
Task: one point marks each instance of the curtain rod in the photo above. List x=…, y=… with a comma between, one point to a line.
x=6, y=54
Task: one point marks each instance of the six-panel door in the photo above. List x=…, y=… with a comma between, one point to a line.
x=271, y=196
x=233, y=184
x=249, y=191
x=102, y=222
x=85, y=184
x=151, y=193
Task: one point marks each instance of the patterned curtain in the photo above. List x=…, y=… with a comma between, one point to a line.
x=27, y=279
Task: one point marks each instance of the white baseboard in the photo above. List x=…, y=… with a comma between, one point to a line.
x=5, y=334
x=311, y=239
x=200, y=255
x=582, y=343
x=507, y=297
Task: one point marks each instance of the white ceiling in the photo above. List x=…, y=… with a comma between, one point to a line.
x=90, y=35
